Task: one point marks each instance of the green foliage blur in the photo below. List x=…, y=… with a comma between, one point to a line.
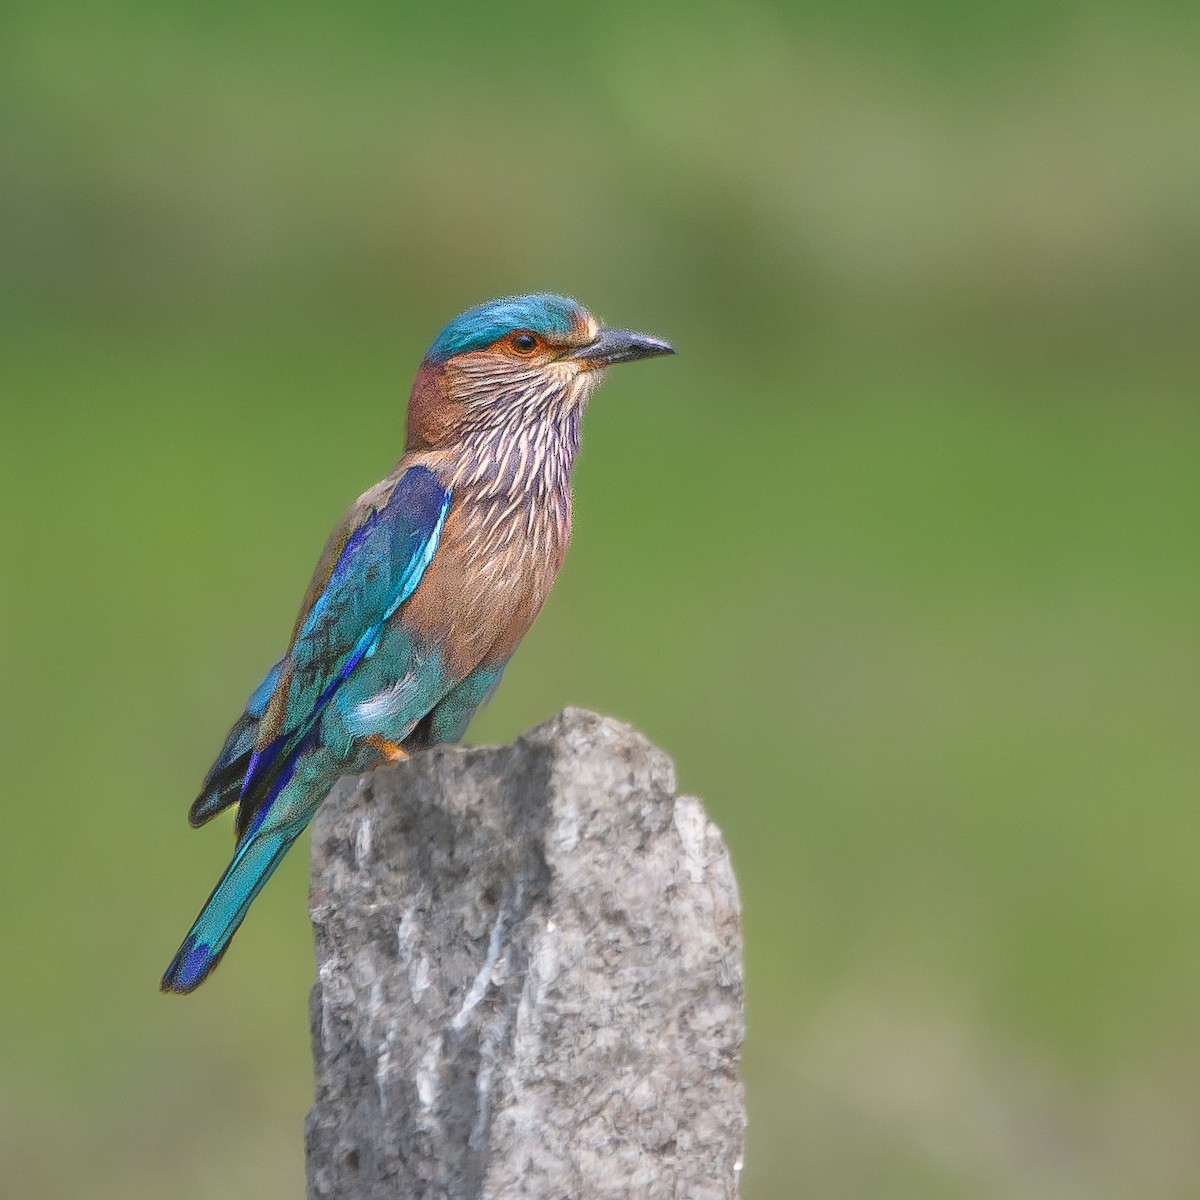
x=899, y=558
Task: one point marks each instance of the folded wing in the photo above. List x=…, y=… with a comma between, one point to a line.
x=387, y=544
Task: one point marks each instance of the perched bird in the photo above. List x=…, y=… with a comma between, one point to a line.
x=424, y=589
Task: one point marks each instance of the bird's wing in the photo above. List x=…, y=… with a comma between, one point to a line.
x=222, y=785
x=373, y=563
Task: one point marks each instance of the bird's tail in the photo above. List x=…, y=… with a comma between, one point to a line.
x=252, y=864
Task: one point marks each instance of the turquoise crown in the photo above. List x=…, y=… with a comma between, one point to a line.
x=545, y=314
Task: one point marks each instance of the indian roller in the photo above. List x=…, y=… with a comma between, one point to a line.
x=423, y=592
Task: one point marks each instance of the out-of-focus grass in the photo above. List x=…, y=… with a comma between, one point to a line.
x=897, y=558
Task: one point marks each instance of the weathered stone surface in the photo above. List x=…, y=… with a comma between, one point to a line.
x=529, y=978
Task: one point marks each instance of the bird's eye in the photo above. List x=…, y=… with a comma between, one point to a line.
x=523, y=343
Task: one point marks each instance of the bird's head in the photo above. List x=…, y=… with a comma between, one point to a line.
x=515, y=360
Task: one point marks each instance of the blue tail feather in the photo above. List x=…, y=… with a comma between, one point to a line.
x=252, y=865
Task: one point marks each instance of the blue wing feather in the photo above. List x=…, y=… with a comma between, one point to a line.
x=222, y=785
x=378, y=569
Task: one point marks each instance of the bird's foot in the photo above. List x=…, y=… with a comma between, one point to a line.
x=392, y=751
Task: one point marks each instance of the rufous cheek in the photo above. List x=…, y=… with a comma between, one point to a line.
x=434, y=416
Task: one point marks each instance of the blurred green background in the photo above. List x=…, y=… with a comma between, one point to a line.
x=898, y=558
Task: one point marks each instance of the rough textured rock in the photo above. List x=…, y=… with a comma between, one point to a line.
x=529, y=978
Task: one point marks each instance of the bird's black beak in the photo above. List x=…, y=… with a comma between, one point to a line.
x=618, y=346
